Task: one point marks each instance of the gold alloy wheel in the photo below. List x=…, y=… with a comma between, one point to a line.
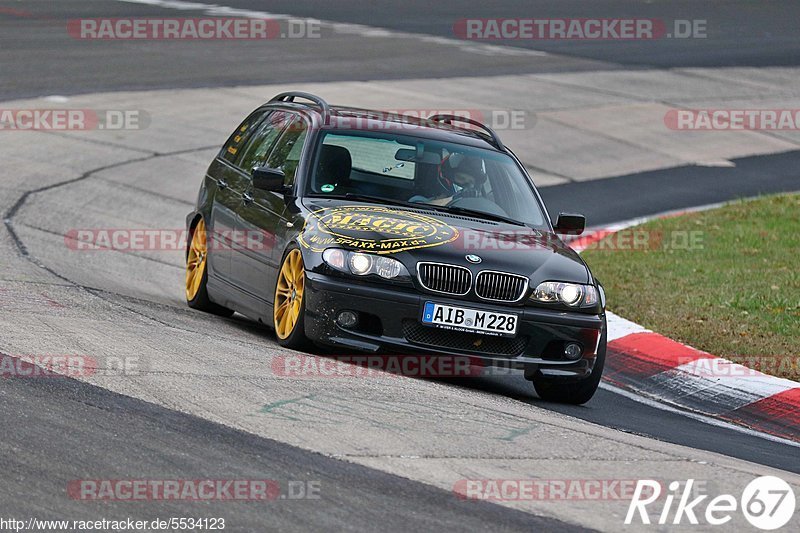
x=289, y=294
x=196, y=261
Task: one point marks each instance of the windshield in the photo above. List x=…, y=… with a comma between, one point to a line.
x=434, y=174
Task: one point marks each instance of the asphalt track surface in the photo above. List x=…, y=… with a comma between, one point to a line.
x=608, y=200
x=58, y=429
x=129, y=435
x=39, y=58
x=738, y=32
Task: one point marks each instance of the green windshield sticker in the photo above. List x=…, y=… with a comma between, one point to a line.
x=327, y=187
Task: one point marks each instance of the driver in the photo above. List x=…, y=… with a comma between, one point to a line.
x=460, y=176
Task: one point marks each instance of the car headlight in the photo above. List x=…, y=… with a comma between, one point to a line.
x=571, y=294
x=362, y=264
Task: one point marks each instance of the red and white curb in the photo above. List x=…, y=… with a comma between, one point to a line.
x=653, y=366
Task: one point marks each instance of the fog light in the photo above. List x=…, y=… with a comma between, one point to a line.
x=347, y=319
x=572, y=351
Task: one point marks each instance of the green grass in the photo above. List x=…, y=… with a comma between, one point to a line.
x=735, y=293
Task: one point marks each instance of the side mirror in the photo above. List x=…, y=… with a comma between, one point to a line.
x=570, y=224
x=268, y=179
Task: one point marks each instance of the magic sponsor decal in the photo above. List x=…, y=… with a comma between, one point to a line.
x=374, y=229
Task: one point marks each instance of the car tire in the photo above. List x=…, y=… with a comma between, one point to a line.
x=575, y=393
x=197, y=273
x=289, y=306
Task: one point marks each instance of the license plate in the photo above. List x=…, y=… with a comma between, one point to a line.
x=469, y=320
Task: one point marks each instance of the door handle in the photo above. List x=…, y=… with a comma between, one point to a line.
x=247, y=198
x=222, y=184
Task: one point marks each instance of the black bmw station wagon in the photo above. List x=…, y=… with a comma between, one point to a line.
x=380, y=233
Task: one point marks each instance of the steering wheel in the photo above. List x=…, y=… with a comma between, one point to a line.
x=464, y=193
x=454, y=201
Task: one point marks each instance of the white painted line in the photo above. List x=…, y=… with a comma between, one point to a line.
x=625, y=224
x=655, y=404
x=715, y=163
x=343, y=28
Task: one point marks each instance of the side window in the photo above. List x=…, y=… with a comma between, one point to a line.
x=255, y=153
x=286, y=154
x=231, y=151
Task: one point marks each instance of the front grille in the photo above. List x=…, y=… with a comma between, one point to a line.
x=448, y=279
x=500, y=286
x=463, y=342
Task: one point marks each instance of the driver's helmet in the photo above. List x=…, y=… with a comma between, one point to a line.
x=466, y=171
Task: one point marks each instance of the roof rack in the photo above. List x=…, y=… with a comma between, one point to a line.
x=448, y=119
x=291, y=95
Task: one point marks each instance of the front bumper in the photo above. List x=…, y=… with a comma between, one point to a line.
x=390, y=321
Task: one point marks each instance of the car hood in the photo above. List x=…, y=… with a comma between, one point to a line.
x=414, y=235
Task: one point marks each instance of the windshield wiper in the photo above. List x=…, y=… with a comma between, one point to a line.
x=475, y=213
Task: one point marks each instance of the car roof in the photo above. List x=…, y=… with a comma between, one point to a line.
x=344, y=118
x=354, y=118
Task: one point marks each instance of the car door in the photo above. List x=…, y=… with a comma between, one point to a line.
x=262, y=216
x=254, y=154
x=229, y=186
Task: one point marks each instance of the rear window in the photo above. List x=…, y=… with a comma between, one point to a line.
x=375, y=155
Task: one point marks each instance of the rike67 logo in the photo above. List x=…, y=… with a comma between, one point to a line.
x=767, y=502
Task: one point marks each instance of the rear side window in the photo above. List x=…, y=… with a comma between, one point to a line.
x=232, y=149
x=255, y=153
